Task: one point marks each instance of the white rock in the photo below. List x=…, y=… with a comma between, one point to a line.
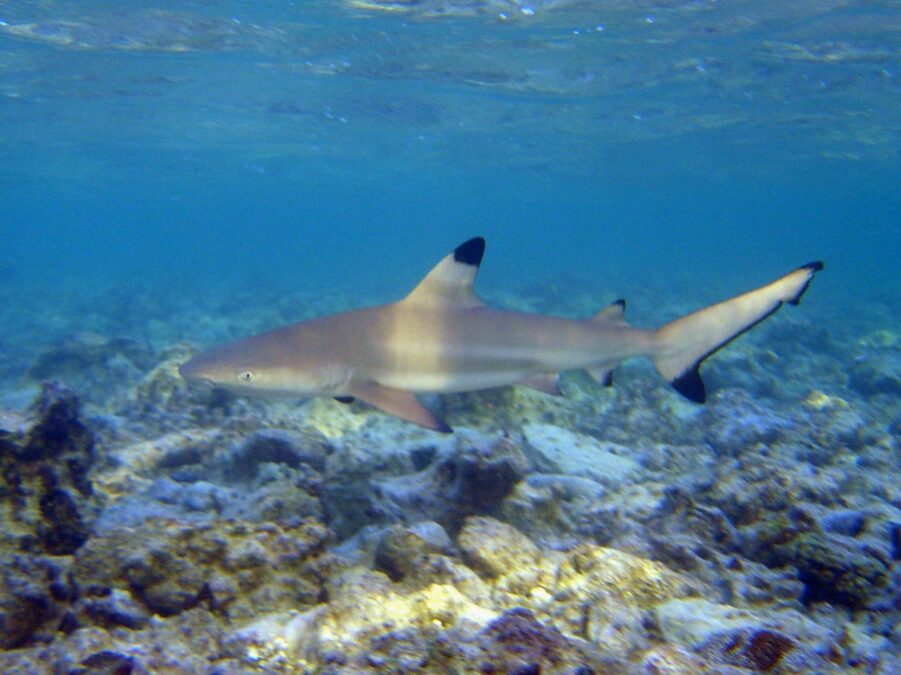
x=693, y=620
x=561, y=451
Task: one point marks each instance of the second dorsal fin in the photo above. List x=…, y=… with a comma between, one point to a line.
x=450, y=281
x=613, y=314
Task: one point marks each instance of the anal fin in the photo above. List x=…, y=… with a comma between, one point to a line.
x=546, y=383
x=399, y=403
x=603, y=376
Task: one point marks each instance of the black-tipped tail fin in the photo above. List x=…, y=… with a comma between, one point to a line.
x=691, y=386
x=683, y=344
x=813, y=268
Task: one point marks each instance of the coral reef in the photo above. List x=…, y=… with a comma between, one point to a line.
x=506, y=605
x=153, y=527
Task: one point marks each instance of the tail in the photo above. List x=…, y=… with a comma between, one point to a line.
x=683, y=344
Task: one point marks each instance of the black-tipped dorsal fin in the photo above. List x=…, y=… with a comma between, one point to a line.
x=451, y=280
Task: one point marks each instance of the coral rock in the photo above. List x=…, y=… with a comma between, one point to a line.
x=495, y=548
x=277, y=446
x=48, y=496
x=31, y=591
x=402, y=552
x=758, y=641
x=558, y=450
x=833, y=568
x=97, y=365
x=170, y=567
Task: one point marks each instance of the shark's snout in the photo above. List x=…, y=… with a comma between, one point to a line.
x=190, y=370
x=209, y=368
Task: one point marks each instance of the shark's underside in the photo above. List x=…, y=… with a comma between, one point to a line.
x=443, y=338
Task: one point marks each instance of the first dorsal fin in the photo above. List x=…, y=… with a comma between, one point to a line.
x=451, y=280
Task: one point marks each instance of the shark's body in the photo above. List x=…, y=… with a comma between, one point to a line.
x=441, y=338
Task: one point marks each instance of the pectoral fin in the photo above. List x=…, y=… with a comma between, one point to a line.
x=400, y=403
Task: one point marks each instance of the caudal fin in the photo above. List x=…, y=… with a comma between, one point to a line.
x=683, y=344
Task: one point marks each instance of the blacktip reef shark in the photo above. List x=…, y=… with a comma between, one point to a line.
x=442, y=338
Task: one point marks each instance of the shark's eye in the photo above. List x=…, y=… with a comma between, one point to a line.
x=247, y=376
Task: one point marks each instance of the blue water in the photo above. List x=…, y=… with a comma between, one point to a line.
x=687, y=148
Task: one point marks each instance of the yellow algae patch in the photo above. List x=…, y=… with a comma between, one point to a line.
x=360, y=615
x=495, y=548
x=279, y=642
x=331, y=419
x=818, y=400
x=880, y=339
x=573, y=591
x=596, y=572
x=595, y=587
x=589, y=572
x=135, y=461
x=366, y=606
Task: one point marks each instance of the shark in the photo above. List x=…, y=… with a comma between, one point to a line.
x=442, y=338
